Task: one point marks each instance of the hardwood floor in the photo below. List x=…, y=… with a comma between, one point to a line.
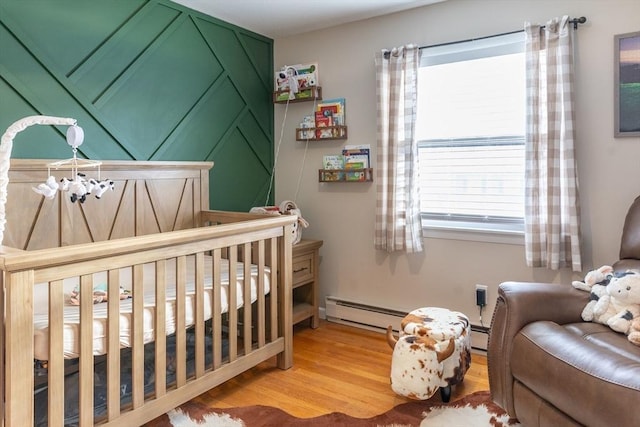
x=337, y=368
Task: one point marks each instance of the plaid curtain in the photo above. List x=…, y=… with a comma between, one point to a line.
x=397, y=204
x=552, y=212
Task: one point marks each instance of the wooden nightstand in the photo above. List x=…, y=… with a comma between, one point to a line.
x=306, y=258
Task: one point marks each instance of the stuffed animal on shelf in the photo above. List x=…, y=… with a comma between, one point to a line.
x=621, y=302
x=290, y=74
x=595, y=282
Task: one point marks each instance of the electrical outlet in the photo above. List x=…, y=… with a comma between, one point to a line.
x=481, y=295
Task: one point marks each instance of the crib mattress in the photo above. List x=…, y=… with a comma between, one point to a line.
x=71, y=333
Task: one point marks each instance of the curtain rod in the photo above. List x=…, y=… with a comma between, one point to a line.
x=574, y=21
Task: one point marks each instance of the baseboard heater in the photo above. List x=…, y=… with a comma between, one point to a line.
x=362, y=315
x=378, y=318
x=479, y=338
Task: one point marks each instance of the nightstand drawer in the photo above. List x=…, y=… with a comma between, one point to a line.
x=302, y=269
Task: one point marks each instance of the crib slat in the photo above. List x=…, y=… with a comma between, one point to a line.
x=56, y=354
x=137, y=339
x=113, y=345
x=260, y=321
x=233, y=303
x=86, y=351
x=273, y=280
x=216, y=323
x=161, y=329
x=181, y=356
x=199, y=314
x=246, y=292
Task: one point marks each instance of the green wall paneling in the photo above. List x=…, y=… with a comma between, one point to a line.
x=147, y=80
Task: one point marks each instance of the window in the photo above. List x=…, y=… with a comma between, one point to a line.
x=470, y=127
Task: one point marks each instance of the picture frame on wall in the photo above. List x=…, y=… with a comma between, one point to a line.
x=627, y=84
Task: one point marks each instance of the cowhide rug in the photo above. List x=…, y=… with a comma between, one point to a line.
x=472, y=410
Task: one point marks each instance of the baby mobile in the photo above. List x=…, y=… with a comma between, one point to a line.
x=76, y=185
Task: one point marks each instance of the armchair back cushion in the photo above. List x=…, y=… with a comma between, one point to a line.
x=630, y=246
x=630, y=242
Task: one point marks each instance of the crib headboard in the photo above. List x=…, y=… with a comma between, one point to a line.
x=149, y=197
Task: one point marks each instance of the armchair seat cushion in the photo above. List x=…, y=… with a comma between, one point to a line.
x=582, y=363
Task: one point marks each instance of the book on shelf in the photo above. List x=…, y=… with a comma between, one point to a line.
x=356, y=155
x=308, y=122
x=329, y=115
x=324, y=121
x=335, y=108
x=333, y=162
x=353, y=165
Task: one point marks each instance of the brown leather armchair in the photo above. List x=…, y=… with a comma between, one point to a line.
x=547, y=367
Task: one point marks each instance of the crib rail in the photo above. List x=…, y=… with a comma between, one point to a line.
x=257, y=332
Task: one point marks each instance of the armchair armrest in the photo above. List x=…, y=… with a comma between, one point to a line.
x=519, y=304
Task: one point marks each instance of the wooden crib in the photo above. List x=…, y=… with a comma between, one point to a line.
x=156, y=216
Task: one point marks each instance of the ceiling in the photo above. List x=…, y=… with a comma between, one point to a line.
x=283, y=18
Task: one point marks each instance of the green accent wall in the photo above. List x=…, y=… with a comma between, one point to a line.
x=146, y=80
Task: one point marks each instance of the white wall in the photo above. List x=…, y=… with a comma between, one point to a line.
x=445, y=274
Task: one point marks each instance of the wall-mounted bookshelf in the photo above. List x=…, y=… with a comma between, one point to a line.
x=304, y=95
x=350, y=166
x=321, y=133
x=345, y=175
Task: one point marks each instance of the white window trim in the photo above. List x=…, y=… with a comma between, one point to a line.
x=504, y=233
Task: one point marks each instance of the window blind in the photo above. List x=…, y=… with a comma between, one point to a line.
x=470, y=128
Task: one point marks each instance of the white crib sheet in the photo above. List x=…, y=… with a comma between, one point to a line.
x=71, y=333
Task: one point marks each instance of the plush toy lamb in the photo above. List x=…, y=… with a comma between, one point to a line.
x=78, y=190
x=48, y=189
x=621, y=302
x=634, y=331
x=601, y=276
x=595, y=282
